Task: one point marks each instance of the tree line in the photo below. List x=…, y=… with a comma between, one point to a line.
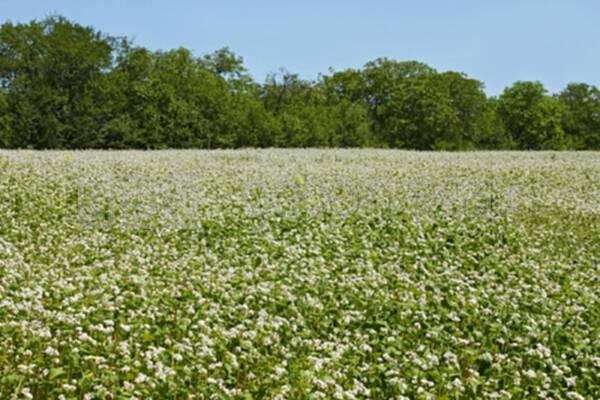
x=68, y=86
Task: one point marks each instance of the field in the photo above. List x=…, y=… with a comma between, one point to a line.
x=299, y=274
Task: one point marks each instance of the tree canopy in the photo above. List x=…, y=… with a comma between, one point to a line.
x=68, y=86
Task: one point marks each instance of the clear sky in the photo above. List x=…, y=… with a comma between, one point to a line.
x=496, y=41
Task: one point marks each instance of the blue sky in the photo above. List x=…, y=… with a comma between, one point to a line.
x=498, y=42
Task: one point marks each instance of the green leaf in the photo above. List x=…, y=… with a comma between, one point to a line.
x=55, y=373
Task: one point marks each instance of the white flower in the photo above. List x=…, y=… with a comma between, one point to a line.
x=51, y=351
x=141, y=378
x=26, y=393
x=530, y=373
x=69, y=388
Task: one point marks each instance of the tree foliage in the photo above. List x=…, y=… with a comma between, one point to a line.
x=581, y=115
x=64, y=85
x=532, y=118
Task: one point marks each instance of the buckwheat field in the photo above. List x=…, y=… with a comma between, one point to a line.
x=299, y=274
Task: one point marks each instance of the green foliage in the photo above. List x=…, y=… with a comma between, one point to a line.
x=4, y=123
x=582, y=115
x=171, y=99
x=493, y=133
x=225, y=63
x=64, y=85
x=49, y=69
x=303, y=116
x=467, y=105
x=532, y=118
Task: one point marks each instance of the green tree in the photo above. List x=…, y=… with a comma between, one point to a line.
x=390, y=87
x=349, y=84
x=398, y=100
x=493, y=135
x=415, y=115
x=246, y=122
x=582, y=116
x=129, y=121
x=345, y=98
x=300, y=109
x=5, y=134
x=532, y=118
x=169, y=99
x=351, y=125
x=49, y=69
x=467, y=103
x=225, y=63
x=63, y=85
